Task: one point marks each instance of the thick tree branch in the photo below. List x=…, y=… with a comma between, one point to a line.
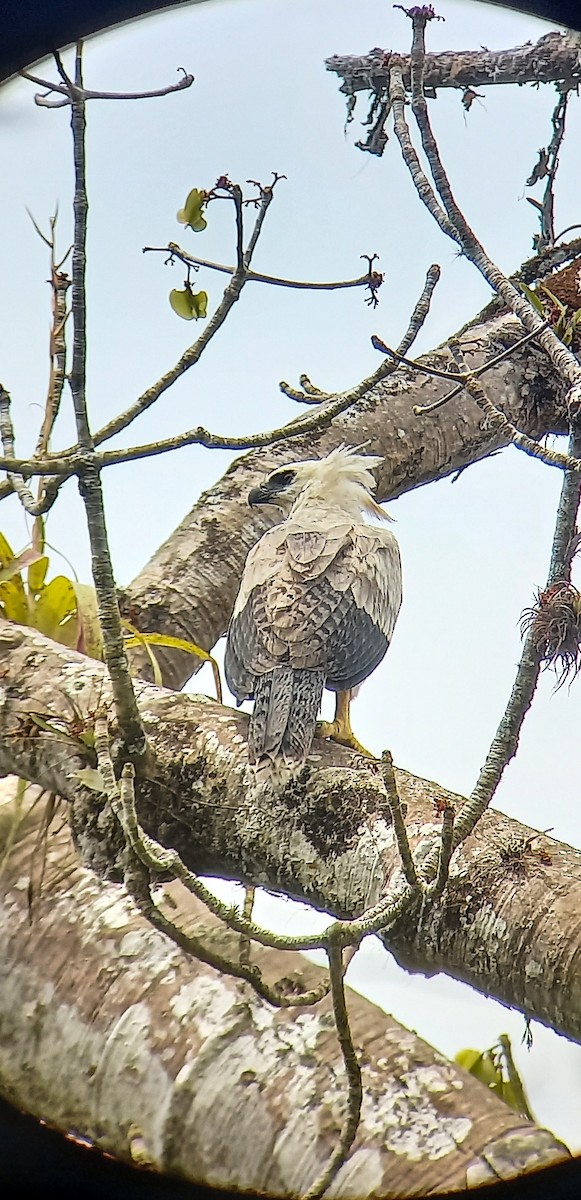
x=96, y=1005
x=189, y=586
x=553, y=58
x=326, y=841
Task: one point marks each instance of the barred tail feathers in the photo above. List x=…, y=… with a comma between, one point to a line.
x=282, y=725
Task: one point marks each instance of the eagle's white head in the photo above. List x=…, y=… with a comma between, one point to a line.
x=343, y=480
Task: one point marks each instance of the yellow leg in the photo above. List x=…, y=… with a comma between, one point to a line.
x=340, y=729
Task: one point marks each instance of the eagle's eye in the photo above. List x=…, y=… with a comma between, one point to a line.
x=281, y=479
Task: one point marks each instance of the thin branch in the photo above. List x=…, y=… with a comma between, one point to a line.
x=175, y=251
x=445, y=854
x=424, y=369
x=547, y=212
x=352, y=1070
x=137, y=880
x=236, y=193
x=62, y=90
x=344, y=399
x=454, y=222
x=514, y=1078
x=194, y=352
x=421, y=309
x=160, y=859
x=32, y=506
x=421, y=183
x=60, y=284
x=89, y=478
x=505, y=742
x=497, y=419
x=245, y=943
x=70, y=461
x=397, y=820
x=121, y=797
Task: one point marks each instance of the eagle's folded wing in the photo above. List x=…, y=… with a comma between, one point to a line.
x=317, y=601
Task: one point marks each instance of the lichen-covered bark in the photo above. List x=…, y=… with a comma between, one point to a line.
x=554, y=57
x=189, y=586
x=508, y=924
x=110, y=1031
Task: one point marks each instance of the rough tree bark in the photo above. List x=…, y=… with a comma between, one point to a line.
x=189, y=586
x=160, y=1049
x=554, y=57
x=507, y=923
x=109, y=1030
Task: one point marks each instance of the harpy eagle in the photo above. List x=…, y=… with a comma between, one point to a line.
x=318, y=601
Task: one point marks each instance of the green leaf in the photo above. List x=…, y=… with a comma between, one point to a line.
x=90, y=778
x=53, y=611
x=532, y=298
x=192, y=213
x=89, y=637
x=200, y=304
x=561, y=307
x=37, y=575
x=141, y=640
x=175, y=643
x=189, y=305
x=6, y=551
x=13, y=601
x=480, y=1065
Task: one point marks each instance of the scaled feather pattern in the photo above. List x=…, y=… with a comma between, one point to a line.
x=318, y=601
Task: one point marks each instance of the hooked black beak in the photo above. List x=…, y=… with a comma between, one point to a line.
x=260, y=495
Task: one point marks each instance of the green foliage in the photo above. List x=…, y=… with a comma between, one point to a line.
x=564, y=320
x=66, y=611
x=192, y=213
x=495, y=1068
x=61, y=609
x=147, y=640
x=188, y=304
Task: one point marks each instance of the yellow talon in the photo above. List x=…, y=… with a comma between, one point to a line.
x=340, y=729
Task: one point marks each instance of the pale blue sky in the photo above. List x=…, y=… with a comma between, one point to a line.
x=473, y=551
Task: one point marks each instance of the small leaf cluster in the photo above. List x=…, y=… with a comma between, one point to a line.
x=190, y=305
x=565, y=321
x=62, y=609
x=490, y=1068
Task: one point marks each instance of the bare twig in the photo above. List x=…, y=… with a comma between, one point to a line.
x=421, y=183
x=513, y=1077
x=452, y=220
x=352, y=1070
x=174, y=251
x=145, y=855
x=420, y=409
x=60, y=284
x=62, y=90
x=344, y=399
x=245, y=943
x=496, y=418
x=424, y=369
x=18, y=484
x=397, y=820
x=88, y=475
x=421, y=309
x=195, y=351
x=445, y=854
x=546, y=237
x=505, y=741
